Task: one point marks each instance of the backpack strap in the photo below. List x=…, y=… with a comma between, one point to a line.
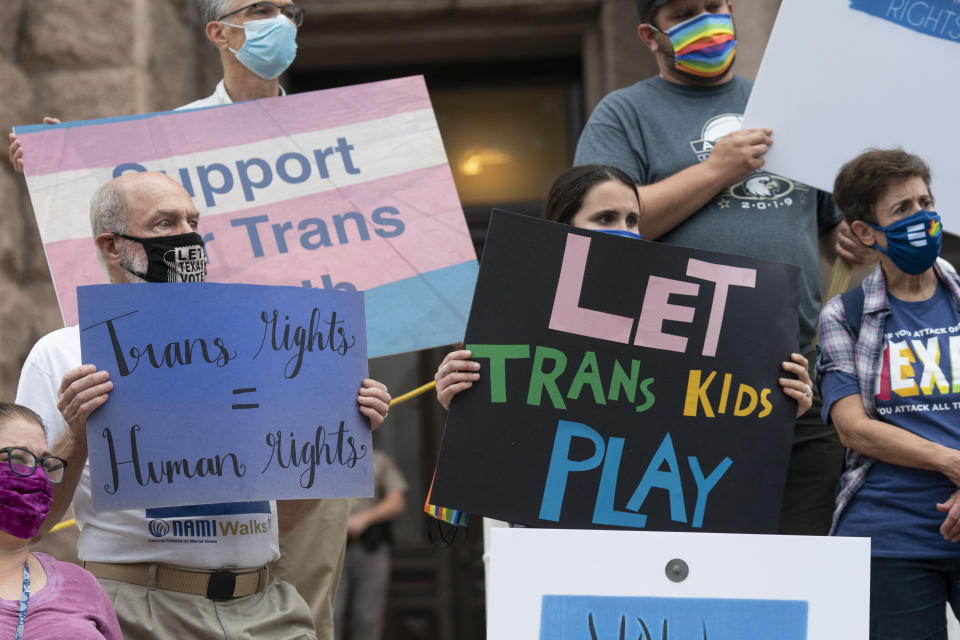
x=853, y=309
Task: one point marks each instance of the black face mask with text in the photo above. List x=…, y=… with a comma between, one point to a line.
x=179, y=258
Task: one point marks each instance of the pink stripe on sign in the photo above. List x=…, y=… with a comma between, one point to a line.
x=73, y=263
x=370, y=234
x=145, y=139
x=326, y=238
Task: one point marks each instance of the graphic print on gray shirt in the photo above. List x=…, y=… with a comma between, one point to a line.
x=656, y=128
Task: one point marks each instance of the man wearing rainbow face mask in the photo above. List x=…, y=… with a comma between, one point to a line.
x=701, y=183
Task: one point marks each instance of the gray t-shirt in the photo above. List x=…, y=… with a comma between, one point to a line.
x=656, y=128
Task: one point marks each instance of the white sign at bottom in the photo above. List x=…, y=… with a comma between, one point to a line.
x=593, y=585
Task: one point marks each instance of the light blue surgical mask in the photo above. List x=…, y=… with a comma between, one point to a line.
x=270, y=47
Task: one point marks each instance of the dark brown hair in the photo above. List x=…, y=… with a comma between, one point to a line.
x=571, y=187
x=10, y=411
x=863, y=181
x=647, y=11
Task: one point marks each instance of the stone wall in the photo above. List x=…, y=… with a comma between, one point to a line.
x=78, y=60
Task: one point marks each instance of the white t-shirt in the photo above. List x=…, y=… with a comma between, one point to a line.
x=215, y=99
x=235, y=535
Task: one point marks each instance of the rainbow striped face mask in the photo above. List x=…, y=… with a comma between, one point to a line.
x=703, y=45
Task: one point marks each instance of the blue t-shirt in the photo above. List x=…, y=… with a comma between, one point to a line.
x=918, y=390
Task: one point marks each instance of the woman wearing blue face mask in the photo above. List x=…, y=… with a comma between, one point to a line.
x=599, y=198
x=889, y=373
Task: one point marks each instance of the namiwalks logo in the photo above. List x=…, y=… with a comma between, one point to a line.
x=205, y=529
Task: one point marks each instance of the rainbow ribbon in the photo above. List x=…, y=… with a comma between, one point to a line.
x=452, y=516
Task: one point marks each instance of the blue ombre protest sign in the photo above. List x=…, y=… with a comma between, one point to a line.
x=599, y=617
x=937, y=18
x=225, y=393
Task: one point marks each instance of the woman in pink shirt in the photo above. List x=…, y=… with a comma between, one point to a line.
x=40, y=597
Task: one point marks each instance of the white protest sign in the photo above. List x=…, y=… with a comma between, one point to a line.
x=842, y=76
x=604, y=584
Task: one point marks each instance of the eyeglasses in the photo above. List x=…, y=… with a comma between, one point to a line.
x=268, y=10
x=23, y=462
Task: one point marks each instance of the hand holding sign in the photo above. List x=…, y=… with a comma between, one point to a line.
x=739, y=153
x=456, y=373
x=15, y=151
x=374, y=401
x=344, y=189
x=81, y=392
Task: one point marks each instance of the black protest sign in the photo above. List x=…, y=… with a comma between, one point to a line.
x=624, y=384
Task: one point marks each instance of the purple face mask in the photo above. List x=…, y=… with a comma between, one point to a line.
x=24, y=501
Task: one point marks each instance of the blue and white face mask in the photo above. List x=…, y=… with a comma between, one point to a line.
x=270, y=47
x=913, y=243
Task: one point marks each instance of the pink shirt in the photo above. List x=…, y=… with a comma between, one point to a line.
x=71, y=605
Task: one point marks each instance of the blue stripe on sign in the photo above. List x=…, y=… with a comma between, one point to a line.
x=33, y=128
x=221, y=509
x=424, y=311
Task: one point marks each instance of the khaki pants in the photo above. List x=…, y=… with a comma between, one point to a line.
x=276, y=613
x=311, y=559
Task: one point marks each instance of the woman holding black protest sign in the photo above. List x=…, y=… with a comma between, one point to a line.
x=598, y=198
x=893, y=396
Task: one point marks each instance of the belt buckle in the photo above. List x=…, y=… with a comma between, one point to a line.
x=221, y=585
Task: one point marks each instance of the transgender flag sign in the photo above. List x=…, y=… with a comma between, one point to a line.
x=345, y=188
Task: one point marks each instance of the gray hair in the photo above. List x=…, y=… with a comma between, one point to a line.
x=210, y=10
x=107, y=209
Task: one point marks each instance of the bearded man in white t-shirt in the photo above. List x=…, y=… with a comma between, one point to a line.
x=162, y=587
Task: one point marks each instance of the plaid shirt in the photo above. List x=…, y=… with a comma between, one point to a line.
x=838, y=352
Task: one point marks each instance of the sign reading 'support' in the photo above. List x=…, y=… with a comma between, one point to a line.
x=345, y=188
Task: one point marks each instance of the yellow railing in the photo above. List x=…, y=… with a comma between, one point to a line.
x=410, y=395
